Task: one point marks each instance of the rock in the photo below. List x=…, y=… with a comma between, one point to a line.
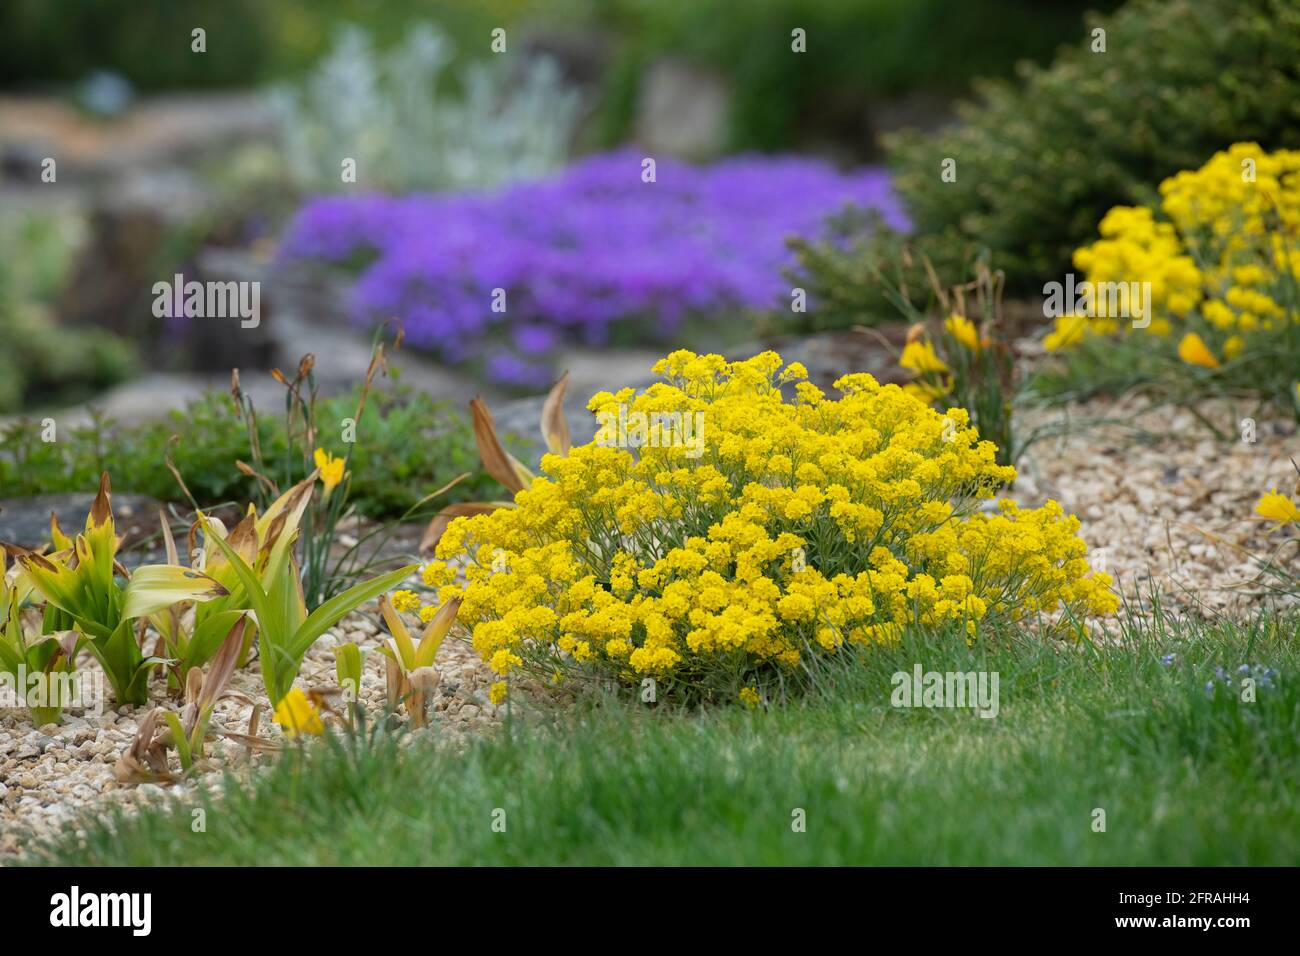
x=684, y=110
x=26, y=521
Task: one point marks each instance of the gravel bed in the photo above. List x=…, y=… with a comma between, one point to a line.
x=49, y=775
x=1166, y=505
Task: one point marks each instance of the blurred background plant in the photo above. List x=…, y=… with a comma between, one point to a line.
x=392, y=112
x=1037, y=158
x=40, y=361
x=594, y=255
x=863, y=53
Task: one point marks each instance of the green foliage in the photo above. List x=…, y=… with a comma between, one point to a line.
x=408, y=445
x=248, y=41
x=510, y=123
x=849, y=273
x=285, y=630
x=858, y=50
x=622, y=783
x=1039, y=161
x=40, y=360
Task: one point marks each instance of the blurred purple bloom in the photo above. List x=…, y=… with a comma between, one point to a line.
x=581, y=252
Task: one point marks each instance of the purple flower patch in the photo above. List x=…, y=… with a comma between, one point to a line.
x=505, y=277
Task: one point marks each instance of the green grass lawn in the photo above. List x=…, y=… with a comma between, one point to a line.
x=1184, y=777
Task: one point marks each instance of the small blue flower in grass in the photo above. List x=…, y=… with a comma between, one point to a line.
x=1168, y=660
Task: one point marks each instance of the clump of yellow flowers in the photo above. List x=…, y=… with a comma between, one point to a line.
x=798, y=525
x=1222, y=256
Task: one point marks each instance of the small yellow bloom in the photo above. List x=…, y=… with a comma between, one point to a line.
x=498, y=692
x=930, y=392
x=297, y=715
x=920, y=357
x=406, y=600
x=1069, y=331
x=1193, y=350
x=1233, y=347
x=749, y=697
x=1277, y=507
x=963, y=330
x=331, y=469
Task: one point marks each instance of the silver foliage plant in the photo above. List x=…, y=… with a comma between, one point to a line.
x=388, y=113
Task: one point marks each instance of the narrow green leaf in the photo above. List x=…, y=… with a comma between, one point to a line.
x=329, y=613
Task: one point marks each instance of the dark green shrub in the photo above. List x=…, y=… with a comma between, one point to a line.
x=1039, y=161
x=842, y=272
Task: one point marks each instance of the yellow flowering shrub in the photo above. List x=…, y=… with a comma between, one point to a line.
x=1222, y=256
x=785, y=528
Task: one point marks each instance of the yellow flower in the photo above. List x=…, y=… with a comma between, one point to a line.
x=406, y=600
x=298, y=715
x=921, y=358
x=963, y=330
x=712, y=564
x=930, y=392
x=1069, y=331
x=498, y=692
x=331, y=469
x=1277, y=507
x=749, y=697
x=1193, y=350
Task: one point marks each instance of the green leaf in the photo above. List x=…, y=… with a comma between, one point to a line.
x=329, y=613
x=207, y=637
x=158, y=586
x=178, y=739
x=347, y=665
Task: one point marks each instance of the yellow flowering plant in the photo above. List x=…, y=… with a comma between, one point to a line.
x=297, y=715
x=326, y=565
x=748, y=533
x=191, y=631
x=1221, y=257
x=28, y=646
x=82, y=583
x=957, y=361
x=1281, y=513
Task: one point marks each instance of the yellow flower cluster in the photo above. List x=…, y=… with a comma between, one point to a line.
x=799, y=525
x=1222, y=258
